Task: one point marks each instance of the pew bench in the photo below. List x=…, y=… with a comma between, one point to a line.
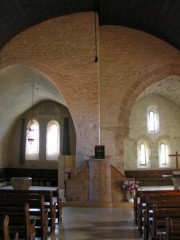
x=146, y=193
x=19, y=222
x=52, y=200
x=169, y=202
x=28, y=195
x=4, y=225
x=55, y=199
x=36, y=211
x=172, y=229
x=154, y=196
x=157, y=224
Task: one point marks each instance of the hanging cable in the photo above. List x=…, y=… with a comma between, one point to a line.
x=95, y=35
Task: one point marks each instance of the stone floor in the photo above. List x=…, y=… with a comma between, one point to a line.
x=88, y=223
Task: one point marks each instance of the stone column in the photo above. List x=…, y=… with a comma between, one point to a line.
x=100, y=180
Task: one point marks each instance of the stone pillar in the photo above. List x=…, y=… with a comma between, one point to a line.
x=100, y=181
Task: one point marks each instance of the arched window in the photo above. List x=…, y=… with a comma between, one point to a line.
x=142, y=154
x=152, y=119
x=52, y=140
x=163, y=154
x=32, y=140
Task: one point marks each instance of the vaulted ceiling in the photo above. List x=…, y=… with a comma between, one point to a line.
x=158, y=17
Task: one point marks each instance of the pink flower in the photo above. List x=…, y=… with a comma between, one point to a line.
x=130, y=185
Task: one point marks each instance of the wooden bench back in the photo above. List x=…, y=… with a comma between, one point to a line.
x=49, y=196
x=172, y=229
x=33, y=197
x=5, y=233
x=36, y=210
x=158, y=222
x=145, y=193
x=19, y=221
x=154, y=196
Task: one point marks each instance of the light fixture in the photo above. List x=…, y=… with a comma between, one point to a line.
x=30, y=127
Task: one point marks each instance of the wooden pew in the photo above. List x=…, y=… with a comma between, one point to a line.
x=19, y=221
x=5, y=234
x=139, y=192
x=155, y=198
x=57, y=202
x=36, y=210
x=48, y=202
x=49, y=205
x=172, y=229
x=167, y=202
x=142, y=202
x=56, y=195
x=157, y=225
x=54, y=199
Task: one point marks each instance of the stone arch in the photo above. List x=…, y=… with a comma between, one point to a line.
x=153, y=77
x=16, y=88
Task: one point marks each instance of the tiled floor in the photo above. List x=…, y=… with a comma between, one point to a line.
x=88, y=223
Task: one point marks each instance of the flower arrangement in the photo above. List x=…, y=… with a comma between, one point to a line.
x=69, y=171
x=130, y=185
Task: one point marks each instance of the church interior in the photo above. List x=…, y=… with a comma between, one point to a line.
x=77, y=76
